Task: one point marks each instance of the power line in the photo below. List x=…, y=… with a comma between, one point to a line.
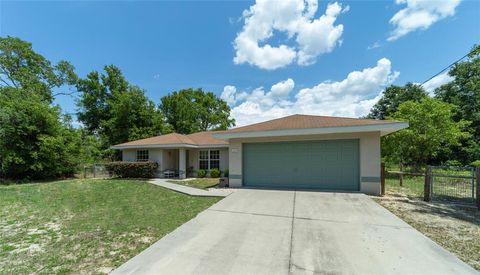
x=446, y=68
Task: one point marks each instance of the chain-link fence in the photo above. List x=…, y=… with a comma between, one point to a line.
x=438, y=183
x=453, y=184
x=93, y=171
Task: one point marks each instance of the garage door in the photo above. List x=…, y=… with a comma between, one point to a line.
x=326, y=164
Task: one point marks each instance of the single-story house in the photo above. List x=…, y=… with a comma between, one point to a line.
x=294, y=152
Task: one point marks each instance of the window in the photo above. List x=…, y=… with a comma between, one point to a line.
x=209, y=159
x=142, y=155
x=214, y=159
x=203, y=160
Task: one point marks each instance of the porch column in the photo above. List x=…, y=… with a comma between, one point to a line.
x=182, y=159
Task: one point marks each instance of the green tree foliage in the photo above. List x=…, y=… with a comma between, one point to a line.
x=393, y=96
x=36, y=141
x=193, y=110
x=22, y=68
x=432, y=130
x=464, y=93
x=115, y=110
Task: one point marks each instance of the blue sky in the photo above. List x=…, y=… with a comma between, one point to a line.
x=165, y=46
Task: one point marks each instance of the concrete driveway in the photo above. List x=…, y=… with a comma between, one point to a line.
x=293, y=232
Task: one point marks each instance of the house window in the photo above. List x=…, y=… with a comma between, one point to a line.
x=214, y=159
x=209, y=159
x=203, y=160
x=142, y=155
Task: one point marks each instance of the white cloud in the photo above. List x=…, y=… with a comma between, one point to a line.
x=282, y=89
x=374, y=46
x=420, y=15
x=313, y=37
x=351, y=97
x=436, y=82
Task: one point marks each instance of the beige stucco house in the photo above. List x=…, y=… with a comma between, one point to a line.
x=294, y=152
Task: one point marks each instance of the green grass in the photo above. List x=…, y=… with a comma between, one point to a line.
x=203, y=183
x=412, y=187
x=444, y=189
x=86, y=226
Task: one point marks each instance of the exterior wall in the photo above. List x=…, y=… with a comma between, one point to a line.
x=193, y=158
x=369, y=157
x=235, y=163
x=169, y=158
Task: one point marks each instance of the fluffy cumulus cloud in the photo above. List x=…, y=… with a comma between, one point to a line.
x=436, y=82
x=296, y=18
x=420, y=15
x=351, y=97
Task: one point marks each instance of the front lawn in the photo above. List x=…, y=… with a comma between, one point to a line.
x=203, y=183
x=86, y=226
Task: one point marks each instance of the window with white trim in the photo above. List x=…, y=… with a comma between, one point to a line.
x=209, y=159
x=214, y=159
x=142, y=155
x=203, y=160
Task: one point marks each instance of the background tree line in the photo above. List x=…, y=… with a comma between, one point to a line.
x=38, y=140
x=444, y=128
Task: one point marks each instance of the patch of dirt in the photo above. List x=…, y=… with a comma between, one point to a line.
x=455, y=227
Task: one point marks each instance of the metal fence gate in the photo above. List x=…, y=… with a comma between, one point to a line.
x=453, y=184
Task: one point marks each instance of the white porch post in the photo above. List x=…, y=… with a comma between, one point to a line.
x=182, y=158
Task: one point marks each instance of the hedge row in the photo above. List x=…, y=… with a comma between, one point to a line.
x=126, y=169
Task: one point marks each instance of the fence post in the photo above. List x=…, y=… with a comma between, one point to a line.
x=401, y=174
x=84, y=171
x=94, y=174
x=477, y=175
x=427, y=191
x=382, y=178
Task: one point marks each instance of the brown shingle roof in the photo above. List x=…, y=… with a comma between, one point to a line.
x=206, y=138
x=306, y=122
x=200, y=138
x=173, y=138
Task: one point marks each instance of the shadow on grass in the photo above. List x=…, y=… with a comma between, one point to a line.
x=460, y=212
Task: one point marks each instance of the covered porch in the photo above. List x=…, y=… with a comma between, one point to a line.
x=180, y=162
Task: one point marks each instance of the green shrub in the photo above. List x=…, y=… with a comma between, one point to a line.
x=215, y=173
x=201, y=173
x=226, y=173
x=453, y=163
x=126, y=169
x=476, y=163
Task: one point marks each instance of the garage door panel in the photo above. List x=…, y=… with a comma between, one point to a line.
x=327, y=164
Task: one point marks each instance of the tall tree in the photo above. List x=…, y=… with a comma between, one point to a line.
x=116, y=111
x=23, y=68
x=393, y=96
x=431, y=131
x=35, y=139
x=192, y=110
x=464, y=93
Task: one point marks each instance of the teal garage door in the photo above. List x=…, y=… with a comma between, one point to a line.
x=326, y=165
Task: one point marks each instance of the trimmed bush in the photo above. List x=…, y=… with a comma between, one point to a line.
x=201, y=173
x=126, y=169
x=226, y=173
x=215, y=173
x=476, y=163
